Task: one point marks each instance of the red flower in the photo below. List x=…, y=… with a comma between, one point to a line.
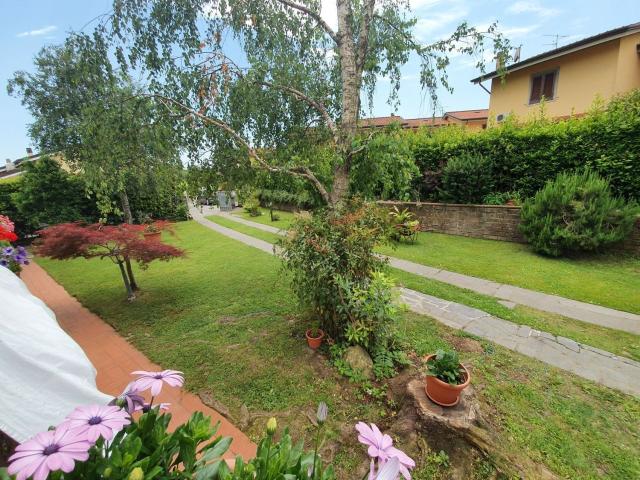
x=7, y=235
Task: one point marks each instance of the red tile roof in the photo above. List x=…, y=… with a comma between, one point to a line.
x=466, y=115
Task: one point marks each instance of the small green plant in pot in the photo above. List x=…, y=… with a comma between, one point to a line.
x=446, y=378
x=404, y=224
x=314, y=337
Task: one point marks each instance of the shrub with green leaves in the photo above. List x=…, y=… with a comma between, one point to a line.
x=330, y=245
x=466, y=179
x=48, y=195
x=527, y=155
x=576, y=212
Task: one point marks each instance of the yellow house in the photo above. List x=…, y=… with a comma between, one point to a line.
x=568, y=78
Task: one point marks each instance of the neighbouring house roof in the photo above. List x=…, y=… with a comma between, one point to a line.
x=447, y=119
x=17, y=164
x=467, y=115
x=566, y=49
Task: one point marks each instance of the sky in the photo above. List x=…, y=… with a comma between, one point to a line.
x=28, y=25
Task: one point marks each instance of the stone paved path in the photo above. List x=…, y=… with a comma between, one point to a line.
x=114, y=358
x=583, y=360
x=585, y=312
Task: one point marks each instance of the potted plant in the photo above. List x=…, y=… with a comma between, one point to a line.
x=446, y=378
x=152, y=232
x=314, y=337
x=404, y=224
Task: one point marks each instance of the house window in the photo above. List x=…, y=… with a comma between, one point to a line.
x=543, y=85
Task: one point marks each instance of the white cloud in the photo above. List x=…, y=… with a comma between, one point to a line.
x=423, y=4
x=329, y=13
x=534, y=7
x=518, y=32
x=38, y=32
x=427, y=27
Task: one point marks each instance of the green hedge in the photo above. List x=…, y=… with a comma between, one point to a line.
x=526, y=156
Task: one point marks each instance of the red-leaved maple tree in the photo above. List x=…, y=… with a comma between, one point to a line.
x=115, y=242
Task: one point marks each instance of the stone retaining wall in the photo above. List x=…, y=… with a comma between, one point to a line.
x=493, y=222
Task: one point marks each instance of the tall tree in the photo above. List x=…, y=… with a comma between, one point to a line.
x=90, y=113
x=294, y=70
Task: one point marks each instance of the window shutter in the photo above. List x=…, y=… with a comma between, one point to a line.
x=549, y=85
x=536, y=89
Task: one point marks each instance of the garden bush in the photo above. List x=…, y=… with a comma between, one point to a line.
x=576, y=212
x=337, y=277
x=526, y=155
x=48, y=195
x=466, y=179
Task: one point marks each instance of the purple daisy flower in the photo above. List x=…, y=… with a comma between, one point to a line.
x=7, y=251
x=381, y=447
x=57, y=449
x=155, y=380
x=95, y=421
x=130, y=399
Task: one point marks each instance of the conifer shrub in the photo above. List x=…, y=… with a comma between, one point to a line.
x=466, y=178
x=576, y=212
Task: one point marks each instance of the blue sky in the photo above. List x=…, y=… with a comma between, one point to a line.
x=28, y=25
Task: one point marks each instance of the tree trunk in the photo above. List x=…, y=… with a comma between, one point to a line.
x=351, y=81
x=128, y=218
x=127, y=284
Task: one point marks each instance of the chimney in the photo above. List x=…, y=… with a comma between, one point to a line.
x=29, y=152
x=9, y=166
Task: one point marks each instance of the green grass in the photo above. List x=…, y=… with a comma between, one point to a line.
x=614, y=341
x=608, y=280
x=239, y=227
x=227, y=318
x=286, y=218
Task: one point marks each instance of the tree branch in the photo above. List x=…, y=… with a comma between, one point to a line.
x=314, y=103
x=300, y=171
x=363, y=40
x=315, y=15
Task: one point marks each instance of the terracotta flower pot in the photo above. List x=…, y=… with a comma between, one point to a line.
x=443, y=393
x=314, y=342
x=153, y=236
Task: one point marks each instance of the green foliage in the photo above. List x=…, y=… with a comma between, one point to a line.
x=526, y=155
x=274, y=460
x=148, y=445
x=446, y=367
x=251, y=205
x=332, y=247
x=502, y=198
x=8, y=191
x=404, y=224
x=373, y=314
x=385, y=168
x=48, y=195
x=576, y=212
x=277, y=198
x=466, y=179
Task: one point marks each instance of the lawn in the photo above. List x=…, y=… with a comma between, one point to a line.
x=225, y=316
x=608, y=280
x=284, y=222
x=614, y=341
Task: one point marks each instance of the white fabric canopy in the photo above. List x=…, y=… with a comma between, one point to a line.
x=44, y=374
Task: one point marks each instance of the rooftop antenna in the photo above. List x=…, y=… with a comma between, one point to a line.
x=556, y=39
x=516, y=53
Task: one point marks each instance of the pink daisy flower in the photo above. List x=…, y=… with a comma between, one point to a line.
x=57, y=449
x=95, y=421
x=155, y=380
x=130, y=399
x=381, y=448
